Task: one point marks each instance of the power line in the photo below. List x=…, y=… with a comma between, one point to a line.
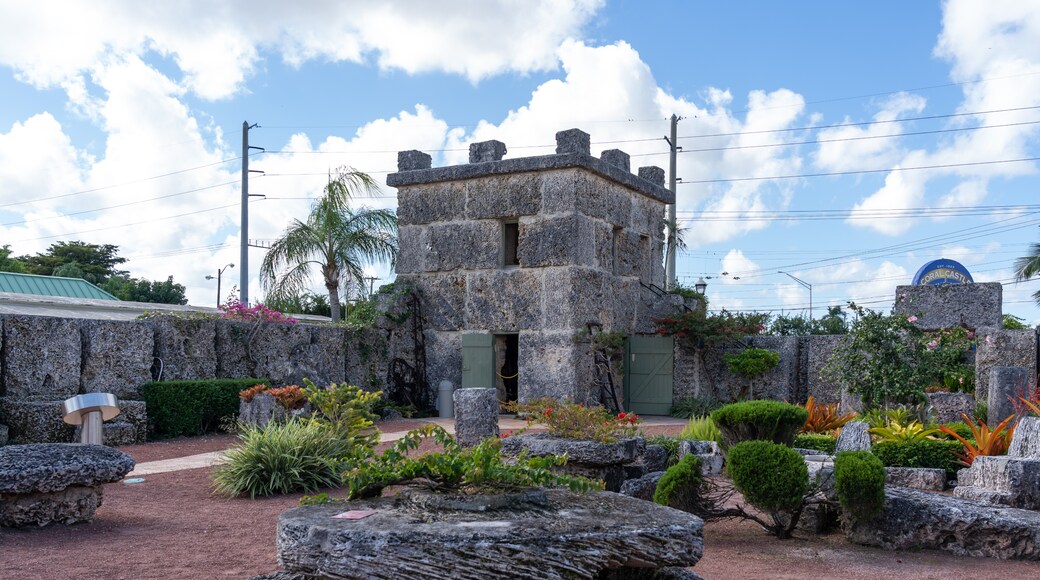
x=128, y=225
x=846, y=214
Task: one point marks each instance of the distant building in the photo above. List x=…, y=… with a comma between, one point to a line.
x=31, y=284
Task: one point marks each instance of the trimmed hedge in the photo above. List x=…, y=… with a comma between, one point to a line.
x=770, y=476
x=935, y=453
x=859, y=479
x=179, y=408
x=759, y=420
x=680, y=486
x=816, y=441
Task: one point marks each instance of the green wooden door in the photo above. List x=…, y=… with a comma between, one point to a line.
x=648, y=374
x=478, y=360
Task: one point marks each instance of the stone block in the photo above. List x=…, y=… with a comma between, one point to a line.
x=653, y=174
x=573, y=141
x=559, y=189
x=415, y=247
x=71, y=505
x=654, y=457
x=3, y=435
x=367, y=358
x=617, y=158
x=821, y=348
x=412, y=160
x=708, y=452
x=853, y=437
x=263, y=408
x=560, y=240
x=647, y=217
x=35, y=421
x=1025, y=443
x=1003, y=480
x=575, y=296
x=1004, y=348
x=780, y=383
x=329, y=353
x=277, y=351
x=551, y=365
x=916, y=477
x=466, y=245
x=503, y=300
x=186, y=348
x=430, y=203
x=443, y=298
x=974, y=305
x=579, y=451
x=476, y=415
x=443, y=356
x=117, y=357
x=503, y=196
x=918, y=520
x=1003, y=387
x=948, y=407
x=643, y=487
x=486, y=151
x=605, y=200
x=231, y=346
x=41, y=358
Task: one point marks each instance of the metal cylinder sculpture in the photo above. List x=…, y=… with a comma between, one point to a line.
x=90, y=410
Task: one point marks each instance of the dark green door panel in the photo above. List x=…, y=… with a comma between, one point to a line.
x=648, y=374
x=478, y=360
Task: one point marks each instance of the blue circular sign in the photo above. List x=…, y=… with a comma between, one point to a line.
x=942, y=271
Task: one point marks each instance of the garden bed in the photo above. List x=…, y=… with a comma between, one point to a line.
x=173, y=526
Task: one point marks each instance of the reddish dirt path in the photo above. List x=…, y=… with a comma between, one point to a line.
x=172, y=526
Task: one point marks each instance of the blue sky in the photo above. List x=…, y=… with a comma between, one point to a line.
x=100, y=101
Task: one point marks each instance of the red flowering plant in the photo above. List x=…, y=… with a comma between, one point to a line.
x=577, y=421
x=703, y=328
x=235, y=310
x=290, y=397
x=248, y=394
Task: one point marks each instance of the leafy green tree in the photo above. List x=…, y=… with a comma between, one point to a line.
x=790, y=325
x=9, y=264
x=834, y=322
x=1028, y=266
x=305, y=303
x=98, y=263
x=335, y=238
x=141, y=290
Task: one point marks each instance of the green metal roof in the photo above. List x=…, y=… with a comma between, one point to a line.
x=51, y=286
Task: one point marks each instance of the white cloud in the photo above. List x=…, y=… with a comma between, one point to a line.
x=218, y=45
x=866, y=146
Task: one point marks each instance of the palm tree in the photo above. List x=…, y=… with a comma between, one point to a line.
x=1028, y=266
x=336, y=238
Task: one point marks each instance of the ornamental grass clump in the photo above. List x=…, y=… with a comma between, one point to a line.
x=576, y=421
x=859, y=479
x=759, y=420
x=297, y=455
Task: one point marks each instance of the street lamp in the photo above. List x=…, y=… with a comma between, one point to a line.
x=220, y=272
x=804, y=285
x=701, y=286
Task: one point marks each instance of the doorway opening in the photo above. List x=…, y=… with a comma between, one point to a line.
x=507, y=373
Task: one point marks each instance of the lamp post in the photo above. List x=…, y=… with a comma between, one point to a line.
x=220, y=272
x=701, y=286
x=804, y=285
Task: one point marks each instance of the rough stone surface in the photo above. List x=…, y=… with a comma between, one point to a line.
x=577, y=450
x=412, y=160
x=486, y=151
x=3, y=435
x=458, y=245
x=327, y=353
x=425, y=204
x=551, y=365
x=853, y=437
x=264, y=408
x=573, y=141
x=654, y=457
x=1004, y=385
x=41, y=358
x=559, y=240
x=476, y=415
x=35, y=421
x=576, y=536
x=948, y=407
x=820, y=349
x=708, y=452
x=1025, y=443
x=643, y=487
x=916, y=477
x=49, y=467
x=653, y=174
x=185, y=348
x=117, y=357
x=919, y=520
x=617, y=157
x=504, y=197
x=68, y=506
x=1003, y=348
x=284, y=353
x=943, y=306
x=500, y=300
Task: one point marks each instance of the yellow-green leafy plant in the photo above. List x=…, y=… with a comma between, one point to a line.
x=701, y=429
x=912, y=431
x=577, y=421
x=347, y=409
x=478, y=469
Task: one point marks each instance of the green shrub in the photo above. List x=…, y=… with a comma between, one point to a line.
x=770, y=476
x=935, y=453
x=297, y=455
x=694, y=407
x=347, y=410
x=859, y=478
x=669, y=443
x=759, y=420
x=816, y=441
x=680, y=486
x=179, y=408
x=961, y=428
x=701, y=429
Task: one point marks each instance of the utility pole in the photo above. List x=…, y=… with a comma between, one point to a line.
x=371, y=284
x=243, y=276
x=669, y=265
x=804, y=284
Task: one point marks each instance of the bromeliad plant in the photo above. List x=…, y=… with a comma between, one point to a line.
x=576, y=421
x=479, y=469
x=824, y=418
x=908, y=433
x=987, y=441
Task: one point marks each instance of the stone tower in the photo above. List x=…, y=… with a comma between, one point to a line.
x=512, y=257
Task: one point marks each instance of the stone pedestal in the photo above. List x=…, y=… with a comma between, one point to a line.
x=476, y=415
x=564, y=535
x=916, y=477
x=1005, y=383
x=1013, y=479
x=264, y=408
x=591, y=459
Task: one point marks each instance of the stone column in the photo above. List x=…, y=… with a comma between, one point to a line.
x=476, y=415
x=1004, y=382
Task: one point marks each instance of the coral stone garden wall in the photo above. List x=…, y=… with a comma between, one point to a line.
x=45, y=360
